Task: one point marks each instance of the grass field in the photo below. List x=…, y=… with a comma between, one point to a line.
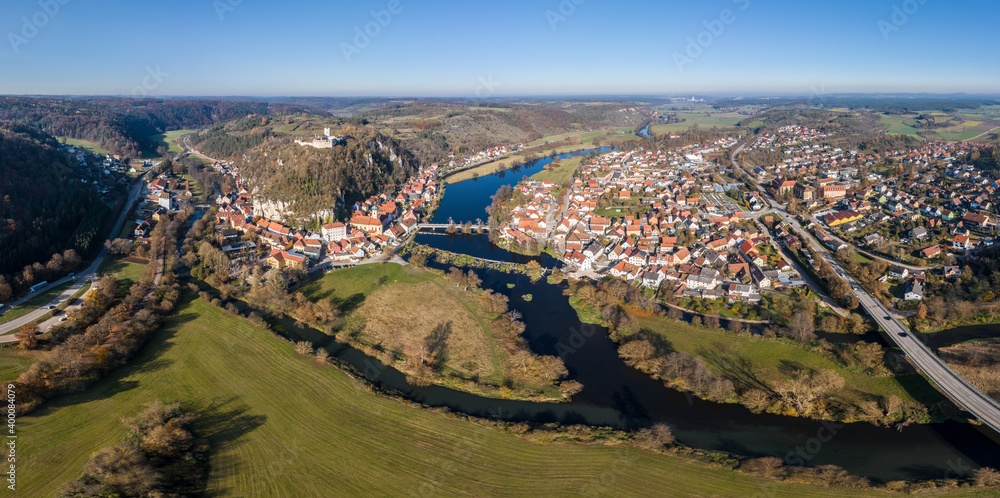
x=33, y=303
x=770, y=358
x=84, y=144
x=388, y=315
x=899, y=125
x=702, y=119
x=562, y=172
x=167, y=140
x=14, y=361
x=279, y=425
x=127, y=273
x=395, y=320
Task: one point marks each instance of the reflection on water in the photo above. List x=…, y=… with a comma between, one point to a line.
x=617, y=395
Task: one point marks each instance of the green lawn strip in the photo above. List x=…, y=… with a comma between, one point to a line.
x=278, y=425
x=14, y=361
x=34, y=303
x=769, y=356
x=125, y=272
x=84, y=144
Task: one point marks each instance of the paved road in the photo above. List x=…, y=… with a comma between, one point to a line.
x=191, y=151
x=950, y=382
x=8, y=329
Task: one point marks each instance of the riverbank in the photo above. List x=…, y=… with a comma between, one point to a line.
x=765, y=374
x=513, y=161
x=455, y=335
x=250, y=389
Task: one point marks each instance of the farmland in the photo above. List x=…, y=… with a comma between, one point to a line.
x=167, y=140
x=279, y=425
x=707, y=119
x=84, y=144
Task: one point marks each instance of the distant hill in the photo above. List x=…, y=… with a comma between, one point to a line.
x=125, y=126
x=432, y=130
x=296, y=182
x=43, y=208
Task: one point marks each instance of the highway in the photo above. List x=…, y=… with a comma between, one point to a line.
x=956, y=387
x=81, y=278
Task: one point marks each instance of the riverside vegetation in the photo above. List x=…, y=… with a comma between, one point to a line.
x=766, y=373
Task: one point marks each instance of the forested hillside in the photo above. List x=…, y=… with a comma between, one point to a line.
x=124, y=126
x=43, y=211
x=309, y=181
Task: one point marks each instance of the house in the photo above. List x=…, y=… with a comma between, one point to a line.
x=896, y=271
x=834, y=191
x=841, y=218
x=873, y=239
x=652, y=279
x=739, y=291
x=333, y=232
x=961, y=242
x=164, y=200
x=158, y=185
x=951, y=272
x=784, y=187
x=803, y=192
x=919, y=233
x=931, y=251
x=914, y=291
x=976, y=220
x=579, y=259
x=367, y=224
x=283, y=259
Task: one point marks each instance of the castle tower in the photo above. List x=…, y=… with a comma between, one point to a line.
x=326, y=132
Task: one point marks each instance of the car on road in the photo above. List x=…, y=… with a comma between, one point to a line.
x=52, y=306
x=887, y=317
x=902, y=334
x=63, y=319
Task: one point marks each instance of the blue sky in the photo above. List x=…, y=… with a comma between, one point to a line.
x=496, y=47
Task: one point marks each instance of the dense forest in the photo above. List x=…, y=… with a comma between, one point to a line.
x=124, y=126
x=311, y=181
x=43, y=211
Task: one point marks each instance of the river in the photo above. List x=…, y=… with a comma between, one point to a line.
x=617, y=395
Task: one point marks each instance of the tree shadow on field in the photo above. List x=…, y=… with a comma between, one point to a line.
x=437, y=344
x=734, y=366
x=791, y=368
x=150, y=359
x=350, y=303
x=224, y=422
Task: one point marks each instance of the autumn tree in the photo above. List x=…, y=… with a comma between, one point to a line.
x=801, y=327
x=27, y=336
x=804, y=388
x=655, y=437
